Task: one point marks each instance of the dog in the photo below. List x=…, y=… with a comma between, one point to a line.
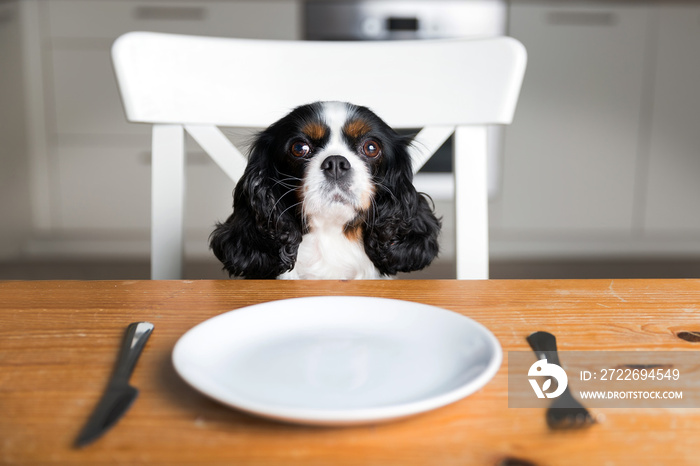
x=327, y=194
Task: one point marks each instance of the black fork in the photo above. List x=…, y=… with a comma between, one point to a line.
x=565, y=412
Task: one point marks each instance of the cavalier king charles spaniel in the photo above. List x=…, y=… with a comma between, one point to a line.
x=327, y=194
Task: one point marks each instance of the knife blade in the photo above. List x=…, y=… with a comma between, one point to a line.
x=119, y=395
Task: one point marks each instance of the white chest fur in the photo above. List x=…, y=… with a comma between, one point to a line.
x=327, y=253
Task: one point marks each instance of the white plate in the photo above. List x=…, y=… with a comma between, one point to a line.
x=337, y=360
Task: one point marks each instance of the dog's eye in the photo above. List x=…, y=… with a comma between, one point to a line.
x=300, y=149
x=371, y=148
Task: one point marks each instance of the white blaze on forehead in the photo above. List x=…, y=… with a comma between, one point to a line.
x=336, y=115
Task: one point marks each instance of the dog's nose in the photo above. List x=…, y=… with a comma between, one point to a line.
x=335, y=167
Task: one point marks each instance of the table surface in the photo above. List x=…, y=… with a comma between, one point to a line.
x=59, y=339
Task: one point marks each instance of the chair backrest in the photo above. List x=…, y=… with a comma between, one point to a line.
x=202, y=82
x=166, y=78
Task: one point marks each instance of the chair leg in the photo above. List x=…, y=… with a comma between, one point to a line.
x=167, y=202
x=471, y=202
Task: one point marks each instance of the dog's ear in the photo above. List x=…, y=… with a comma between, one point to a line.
x=402, y=231
x=261, y=237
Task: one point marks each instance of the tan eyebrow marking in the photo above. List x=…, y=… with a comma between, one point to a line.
x=357, y=128
x=314, y=130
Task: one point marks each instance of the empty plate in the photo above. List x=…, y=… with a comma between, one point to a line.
x=337, y=360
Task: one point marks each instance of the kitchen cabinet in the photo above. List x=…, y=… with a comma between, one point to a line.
x=115, y=196
x=602, y=158
x=672, y=189
x=93, y=175
x=571, y=152
x=15, y=209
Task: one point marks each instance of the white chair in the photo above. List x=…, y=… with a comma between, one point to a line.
x=183, y=83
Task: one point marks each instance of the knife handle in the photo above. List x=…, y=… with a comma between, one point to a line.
x=135, y=339
x=544, y=344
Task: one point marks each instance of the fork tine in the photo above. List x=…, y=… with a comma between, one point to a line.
x=568, y=413
x=569, y=418
x=565, y=412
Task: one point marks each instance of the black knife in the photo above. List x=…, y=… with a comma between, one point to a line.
x=119, y=395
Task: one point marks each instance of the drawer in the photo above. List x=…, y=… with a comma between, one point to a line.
x=107, y=190
x=572, y=150
x=672, y=190
x=102, y=189
x=86, y=97
x=109, y=19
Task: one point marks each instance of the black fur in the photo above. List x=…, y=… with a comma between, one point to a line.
x=261, y=238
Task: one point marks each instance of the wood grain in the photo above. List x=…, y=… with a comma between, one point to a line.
x=58, y=343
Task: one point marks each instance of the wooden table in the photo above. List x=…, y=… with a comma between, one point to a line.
x=58, y=343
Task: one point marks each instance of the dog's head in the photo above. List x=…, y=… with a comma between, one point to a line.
x=327, y=163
